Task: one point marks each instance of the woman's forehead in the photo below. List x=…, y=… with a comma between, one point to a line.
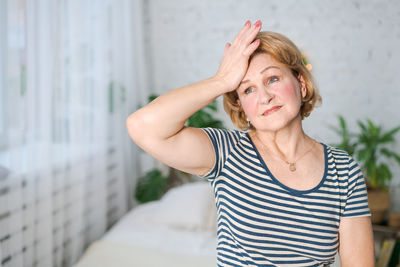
x=261, y=63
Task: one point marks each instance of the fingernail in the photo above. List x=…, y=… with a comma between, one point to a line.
x=257, y=24
x=247, y=23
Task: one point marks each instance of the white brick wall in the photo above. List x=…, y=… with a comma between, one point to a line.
x=354, y=47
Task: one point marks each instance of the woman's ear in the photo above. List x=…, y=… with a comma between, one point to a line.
x=238, y=102
x=303, y=87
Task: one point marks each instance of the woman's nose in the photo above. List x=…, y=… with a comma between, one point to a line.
x=264, y=95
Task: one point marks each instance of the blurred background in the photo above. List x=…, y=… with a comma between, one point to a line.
x=72, y=71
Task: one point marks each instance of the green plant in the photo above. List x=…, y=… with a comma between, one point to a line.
x=370, y=146
x=346, y=144
x=372, y=149
x=153, y=184
x=204, y=117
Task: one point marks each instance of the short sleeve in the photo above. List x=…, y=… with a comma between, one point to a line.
x=222, y=141
x=357, y=198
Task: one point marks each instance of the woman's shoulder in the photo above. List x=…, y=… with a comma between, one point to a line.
x=341, y=156
x=228, y=139
x=337, y=152
x=235, y=134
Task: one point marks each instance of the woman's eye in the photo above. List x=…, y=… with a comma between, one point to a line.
x=248, y=91
x=273, y=79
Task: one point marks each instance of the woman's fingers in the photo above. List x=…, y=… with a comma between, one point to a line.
x=255, y=28
x=245, y=28
x=239, y=37
x=234, y=62
x=227, y=46
x=251, y=48
x=249, y=36
x=246, y=37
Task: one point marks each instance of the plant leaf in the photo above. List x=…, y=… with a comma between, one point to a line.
x=389, y=136
x=152, y=97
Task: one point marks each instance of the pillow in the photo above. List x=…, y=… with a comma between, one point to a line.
x=189, y=207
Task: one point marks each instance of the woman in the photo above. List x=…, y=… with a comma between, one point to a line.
x=283, y=199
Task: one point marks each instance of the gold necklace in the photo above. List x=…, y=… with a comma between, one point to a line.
x=292, y=165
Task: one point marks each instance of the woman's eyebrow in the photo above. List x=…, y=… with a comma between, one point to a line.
x=269, y=67
x=264, y=70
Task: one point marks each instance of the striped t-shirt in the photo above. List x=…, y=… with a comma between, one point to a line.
x=262, y=222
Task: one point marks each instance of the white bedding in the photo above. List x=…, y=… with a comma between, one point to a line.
x=133, y=229
x=179, y=230
x=107, y=253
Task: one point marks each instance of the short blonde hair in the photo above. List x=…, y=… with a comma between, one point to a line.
x=286, y=52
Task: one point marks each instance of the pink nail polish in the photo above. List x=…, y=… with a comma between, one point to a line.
x=257, y=24
x=247, y=23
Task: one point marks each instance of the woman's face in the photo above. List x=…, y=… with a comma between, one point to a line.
x=269, y=94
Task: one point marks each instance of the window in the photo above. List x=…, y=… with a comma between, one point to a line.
x=3, y=42
x=12, y=68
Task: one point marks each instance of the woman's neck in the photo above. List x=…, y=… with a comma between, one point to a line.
x=290, y=141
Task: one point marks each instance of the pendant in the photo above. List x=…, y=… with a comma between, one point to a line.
x=292, y=166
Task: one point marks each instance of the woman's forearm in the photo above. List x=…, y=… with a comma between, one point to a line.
x=166, y=115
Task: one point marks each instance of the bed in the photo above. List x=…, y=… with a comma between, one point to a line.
x=178, y=230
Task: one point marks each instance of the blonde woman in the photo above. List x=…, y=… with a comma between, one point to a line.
x=283, y=198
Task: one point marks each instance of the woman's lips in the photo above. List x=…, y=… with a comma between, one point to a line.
x=271, y=110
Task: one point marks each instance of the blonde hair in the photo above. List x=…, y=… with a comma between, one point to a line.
x=284, y=51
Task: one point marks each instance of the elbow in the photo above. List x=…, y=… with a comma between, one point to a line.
x=140, y=125
x=135, y=127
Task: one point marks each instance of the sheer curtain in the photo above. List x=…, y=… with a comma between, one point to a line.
x=67, y=86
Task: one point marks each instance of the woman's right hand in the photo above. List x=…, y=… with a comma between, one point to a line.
x=235, y=60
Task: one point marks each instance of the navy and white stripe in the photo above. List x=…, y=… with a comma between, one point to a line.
x=262, y=222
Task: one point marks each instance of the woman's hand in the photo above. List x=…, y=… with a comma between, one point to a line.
x=235, y=60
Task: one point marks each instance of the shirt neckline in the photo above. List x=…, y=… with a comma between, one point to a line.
x=295, y=191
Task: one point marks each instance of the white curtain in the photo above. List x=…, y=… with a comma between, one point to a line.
x=67, y=86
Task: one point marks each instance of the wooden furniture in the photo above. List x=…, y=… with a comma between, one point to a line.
x=386, y=231
x=386, y=239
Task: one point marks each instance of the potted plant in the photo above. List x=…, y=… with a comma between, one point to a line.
x=154, y=184
x=370, y=147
